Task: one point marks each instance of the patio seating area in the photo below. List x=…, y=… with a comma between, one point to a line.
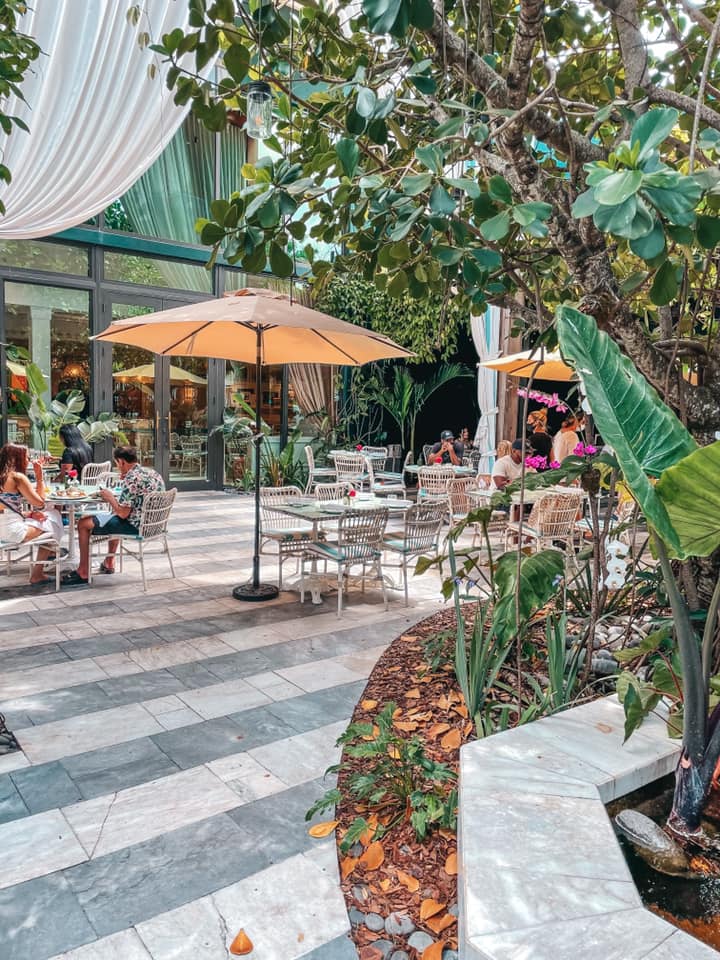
x=172, y=742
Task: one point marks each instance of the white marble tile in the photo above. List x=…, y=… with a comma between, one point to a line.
x=274, y=686
x=250, y=638
x=681, y=946
x=55, y=676
x=163, y=705
x=623, y=935
x=79, y=630
x=212, y=646
x=13, y=761
x=272, y=907
x=118, y=664
x=246, y=777
x=125, y=945
x=221, y=699
x=304, y=757
x=482, y=772
x=64, y=738
x=164, y=655
x=148, y=810
x=178, y=718
x=30, y=637
x=37, y=845
x=320, y=674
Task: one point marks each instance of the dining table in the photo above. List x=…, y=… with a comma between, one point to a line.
x=458, y=470
x=319, y=511
x=72, y=498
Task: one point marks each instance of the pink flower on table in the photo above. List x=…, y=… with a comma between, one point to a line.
x=72, y=474
x=352, y=493
x=359, y=446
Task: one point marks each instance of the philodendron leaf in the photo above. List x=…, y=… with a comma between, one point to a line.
x=539, y=574
x=645, y=434
x=691, y=496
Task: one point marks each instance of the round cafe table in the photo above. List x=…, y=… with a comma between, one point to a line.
x=58, y=497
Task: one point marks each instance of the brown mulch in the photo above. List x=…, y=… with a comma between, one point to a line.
x=416, y=672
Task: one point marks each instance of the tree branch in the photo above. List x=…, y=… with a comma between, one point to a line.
x=527, y=32
x=681, y=101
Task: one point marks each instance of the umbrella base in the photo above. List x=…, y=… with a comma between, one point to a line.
x=263, y=591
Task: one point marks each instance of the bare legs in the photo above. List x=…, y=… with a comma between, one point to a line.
x=85, y=529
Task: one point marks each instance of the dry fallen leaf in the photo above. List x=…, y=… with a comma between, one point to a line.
x=462, y=710
x=373, y=856
x=451, y=740
x=369, y=737
x=319, y=830
x=451, y=865
x=411, y=883
x=368, y=704
x=429, y=907
x=370, y=953
x=436, y=729
x=370, y=831
x=407, y=726
x=385, y=884
x=447, y=834
x=434, y=951
x=438, y=924
x=397, y=712
x=241, y=945
x=347, y=865
x=413, y=694
x=444, y=702
x=409, y=638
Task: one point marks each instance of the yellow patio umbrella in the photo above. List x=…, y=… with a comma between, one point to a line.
x=145, y=373
x=260, y=326
x=538, y=364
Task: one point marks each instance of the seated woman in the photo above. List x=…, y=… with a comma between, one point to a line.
x=15, y=489
x=77, y=452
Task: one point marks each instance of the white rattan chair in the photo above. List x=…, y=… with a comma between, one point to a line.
x=193, y=454
x=397, y=475
x=421, y=529
x=292, y=536
x=427, y=452
x=153, y=525
x=359, y=543
x=328, y=492
x=315, y=474
x=378, y=455
x=44, y=540
x=382, y=487
x=351, y=467
x=433, y=482
x=91, y=471
x=552, y=519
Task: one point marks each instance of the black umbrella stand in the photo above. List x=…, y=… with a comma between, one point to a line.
x=253, y=590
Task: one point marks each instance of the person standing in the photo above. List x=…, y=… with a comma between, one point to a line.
x=539, y=439
x=123, y=513
x=566, y=439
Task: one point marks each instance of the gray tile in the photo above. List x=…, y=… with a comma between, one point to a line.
x=141, y=686
x=87, y=611
x=260, y=726
x=41, y=918
x=185, y=629
x=32, y=657
x=46, y=786
x=98, y=646
x=114, y=768
x=280, y=819
x=60, y=704
x=317, y=709
x=341, y=948
x=17, y=719
x=193, y=675
x=141, y=881
x=11, y=804
x=242, y=664
x=201, y=742
x=18, y=621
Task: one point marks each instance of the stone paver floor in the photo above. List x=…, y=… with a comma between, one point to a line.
x=172, y=742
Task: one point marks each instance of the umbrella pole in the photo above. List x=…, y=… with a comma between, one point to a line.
x=254, y=590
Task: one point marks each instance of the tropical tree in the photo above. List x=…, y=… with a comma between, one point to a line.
x=492, y=152
x=404, y=397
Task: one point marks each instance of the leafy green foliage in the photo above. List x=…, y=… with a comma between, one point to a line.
x=689, y=490
x=524, y=583
x=396, y=775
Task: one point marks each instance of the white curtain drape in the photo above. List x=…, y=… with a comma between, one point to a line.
x=486, y=337
x=97, y=118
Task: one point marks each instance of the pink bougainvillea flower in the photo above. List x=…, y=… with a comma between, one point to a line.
x=352, y=493
x=554, y=464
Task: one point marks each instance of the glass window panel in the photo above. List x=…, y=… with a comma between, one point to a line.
x=134, y=388
x=188, y=418
x=240, y=392
x=156, y=272
x=44, y=255
x=52, y=325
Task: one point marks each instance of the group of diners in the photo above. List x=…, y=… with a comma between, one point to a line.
x=25, y=516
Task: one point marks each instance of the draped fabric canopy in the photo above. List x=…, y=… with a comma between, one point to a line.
x=97, y=118
x=486, y=337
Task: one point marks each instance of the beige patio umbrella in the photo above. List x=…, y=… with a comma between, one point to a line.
x=145, y=373
x=537, y=364
x=260, y=326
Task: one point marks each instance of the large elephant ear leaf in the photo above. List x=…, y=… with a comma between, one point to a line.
x=538, y=576
x=645, y=434
x=691, y=496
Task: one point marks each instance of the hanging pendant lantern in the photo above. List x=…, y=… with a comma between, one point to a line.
x=259, y=110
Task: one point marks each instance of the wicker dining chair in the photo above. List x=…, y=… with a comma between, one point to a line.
x=551, y=520
x=291, y=535
x=383, y=486
x=359, y=543
x=421, y=529
x=433, y=482
x=316, y=474
x=92, y=471
x=351, y=467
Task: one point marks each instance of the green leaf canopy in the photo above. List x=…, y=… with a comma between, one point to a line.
x=645, y=434
x=691, y=495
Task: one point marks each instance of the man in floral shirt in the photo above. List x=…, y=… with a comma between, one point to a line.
x=123, y=513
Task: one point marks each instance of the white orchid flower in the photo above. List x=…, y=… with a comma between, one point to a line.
x=616, y=565
x=614, y=581
x=617, y=548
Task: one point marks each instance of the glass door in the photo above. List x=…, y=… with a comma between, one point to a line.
x=161, y=403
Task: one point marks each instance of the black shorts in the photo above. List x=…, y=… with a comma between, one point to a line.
x=115, y=525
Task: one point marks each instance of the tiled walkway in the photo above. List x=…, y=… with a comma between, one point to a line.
x=172, y=742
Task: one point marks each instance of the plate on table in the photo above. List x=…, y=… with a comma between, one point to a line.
x=396, y=504
x=333, y=507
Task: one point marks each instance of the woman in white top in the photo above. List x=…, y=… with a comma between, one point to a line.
x=15, y=490
x=566, y=439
